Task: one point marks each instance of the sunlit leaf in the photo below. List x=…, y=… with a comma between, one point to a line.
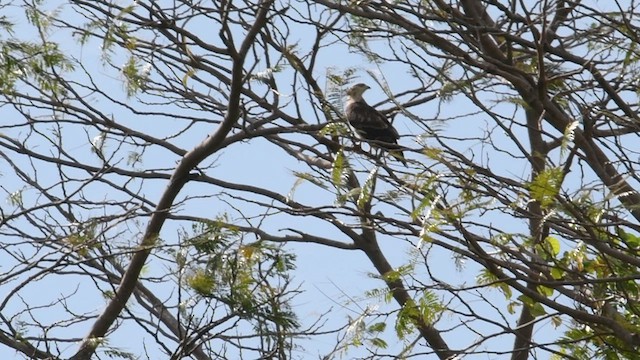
x=338, y=168
x=546, y=186
x=546, y=291
x=568, y=136
x=247, y=251
x=201, y=282
x=335, y=129
x=552, y=245
x=367, y=190
x=557, y=273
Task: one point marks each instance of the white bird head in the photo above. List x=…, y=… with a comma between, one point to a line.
x=355, y=92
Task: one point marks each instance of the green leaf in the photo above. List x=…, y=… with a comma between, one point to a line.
x=526, y=300
x=557, y=273
x=405, y=320
x=133, y=76
x=367, y=190
x=377, y=327
x=310, y=178
x=511, y=307
x=201, y=282
x=546, y=186
x=398, y=273
x=351, y=194
x=629, y=56
x=631, y=240
x=537, y=310
x=486, y=277
x=388, y=297
x=546, y=291
x=418, y=211
x=377, y=342
x=517, y=101
x=430, y=307
x=535, y=307
x=552, y=245
x=338, y=168
x=432, y=153
x=506, y=289
x=335, y=129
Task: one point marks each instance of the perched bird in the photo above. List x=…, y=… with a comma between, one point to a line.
x=370, y=125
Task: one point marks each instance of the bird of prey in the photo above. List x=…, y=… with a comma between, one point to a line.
x=370, y=125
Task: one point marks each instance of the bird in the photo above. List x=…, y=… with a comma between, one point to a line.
x=369, y=124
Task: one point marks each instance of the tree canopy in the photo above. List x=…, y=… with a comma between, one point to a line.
x=178, y=178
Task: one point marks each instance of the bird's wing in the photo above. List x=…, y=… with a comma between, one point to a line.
x=369, y=123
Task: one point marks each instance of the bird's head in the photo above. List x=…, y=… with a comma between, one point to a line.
x=355, y=92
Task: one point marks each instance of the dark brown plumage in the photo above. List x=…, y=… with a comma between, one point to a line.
x=370, y=125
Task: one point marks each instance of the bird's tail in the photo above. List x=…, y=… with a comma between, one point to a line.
x=399, y=155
